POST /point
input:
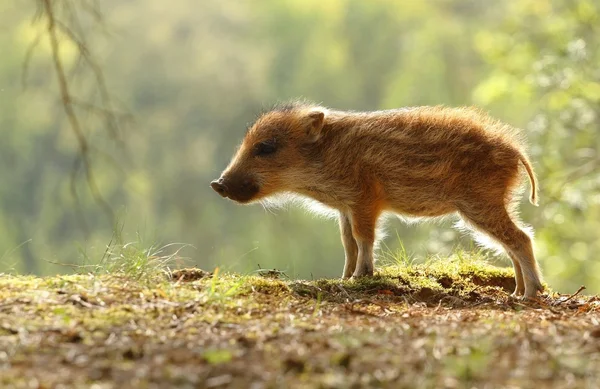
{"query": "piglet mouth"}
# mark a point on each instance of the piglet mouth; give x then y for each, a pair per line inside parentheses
(239, 190)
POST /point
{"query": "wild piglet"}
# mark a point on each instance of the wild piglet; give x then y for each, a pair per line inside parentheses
(415, 162)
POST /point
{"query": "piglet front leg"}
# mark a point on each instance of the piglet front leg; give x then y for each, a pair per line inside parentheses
(363, 230)
(350, 246)
(364, 264)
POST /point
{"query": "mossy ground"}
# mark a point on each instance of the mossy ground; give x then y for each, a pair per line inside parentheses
(446, 323)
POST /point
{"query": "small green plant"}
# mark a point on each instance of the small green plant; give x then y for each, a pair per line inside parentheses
(221, 288)
(136, 259)
(399, 257)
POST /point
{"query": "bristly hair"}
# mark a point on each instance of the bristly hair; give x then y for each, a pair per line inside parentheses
(283, 107)
(292, 105)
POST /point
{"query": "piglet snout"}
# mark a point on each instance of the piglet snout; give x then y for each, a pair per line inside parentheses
(219, 187)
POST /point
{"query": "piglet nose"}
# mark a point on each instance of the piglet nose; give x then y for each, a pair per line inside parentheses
(219, 187)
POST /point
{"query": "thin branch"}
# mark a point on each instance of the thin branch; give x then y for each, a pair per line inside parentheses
(93, 9)
(74, 20)
(78, 63)
(581, 288)
(70, 112)
(101, 110)
(111, 121)
(39, 11)
(27, 60)
(73, 17)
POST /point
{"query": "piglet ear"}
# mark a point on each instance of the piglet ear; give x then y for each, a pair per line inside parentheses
(315, 122)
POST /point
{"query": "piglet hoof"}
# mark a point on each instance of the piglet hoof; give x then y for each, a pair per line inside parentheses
(361, 274)
(517, 294)
(531, 293)
(531, 298)
(521, 296)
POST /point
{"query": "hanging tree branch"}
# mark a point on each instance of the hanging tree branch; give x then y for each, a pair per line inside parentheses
(71, 30)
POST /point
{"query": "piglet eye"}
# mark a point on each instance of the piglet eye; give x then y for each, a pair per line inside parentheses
(265, 148)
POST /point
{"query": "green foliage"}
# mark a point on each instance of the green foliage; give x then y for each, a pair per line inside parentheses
(194, 75)
(460, 275)
(545, 55)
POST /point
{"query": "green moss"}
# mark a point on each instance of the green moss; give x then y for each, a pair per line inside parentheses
(460, 275)
(87, 305)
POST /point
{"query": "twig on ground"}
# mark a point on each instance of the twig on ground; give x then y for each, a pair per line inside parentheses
(340, 287)
(581, 288)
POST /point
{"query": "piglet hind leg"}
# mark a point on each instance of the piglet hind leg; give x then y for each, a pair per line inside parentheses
(350, 246)
(522, 249)
(497, 223)
(520, 288)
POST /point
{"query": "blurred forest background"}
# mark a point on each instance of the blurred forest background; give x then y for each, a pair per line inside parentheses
(183, 80)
